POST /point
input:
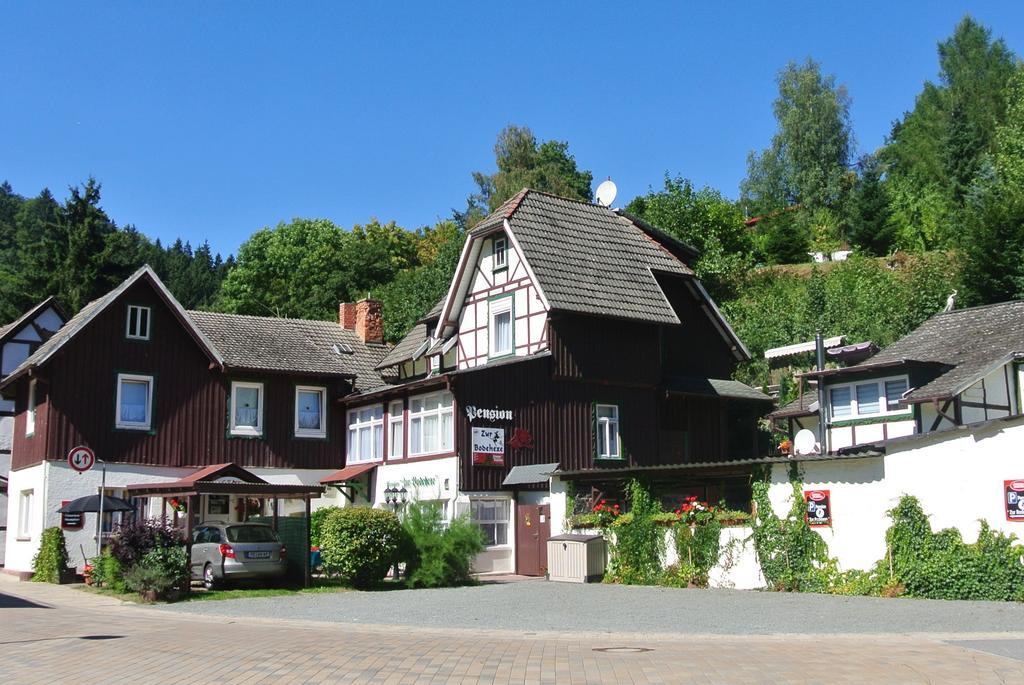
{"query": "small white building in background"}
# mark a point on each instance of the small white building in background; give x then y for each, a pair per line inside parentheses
(936, 415)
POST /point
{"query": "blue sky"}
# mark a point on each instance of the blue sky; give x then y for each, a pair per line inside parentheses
(212, 120)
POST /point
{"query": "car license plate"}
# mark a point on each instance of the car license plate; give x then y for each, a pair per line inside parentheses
(257, 555)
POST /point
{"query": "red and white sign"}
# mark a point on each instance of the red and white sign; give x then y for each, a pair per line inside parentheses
(1013, 499)
(81, 458)
(488, 446)
(819, 508)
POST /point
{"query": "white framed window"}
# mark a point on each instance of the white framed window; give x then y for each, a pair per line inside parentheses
(501, 338)
(310, 411)
(246, 409)
(431, 424)
(500, 253)
(867, 398)
(138, 322)
(396, 430)
(366, 433)
(609, 445)
(134, 402)
(492, 515)
(25, 502)
(30, 415)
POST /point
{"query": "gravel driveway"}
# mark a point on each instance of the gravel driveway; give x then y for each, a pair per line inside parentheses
(538, 605)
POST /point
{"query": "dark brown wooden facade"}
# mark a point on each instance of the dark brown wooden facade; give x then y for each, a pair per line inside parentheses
(76, 397)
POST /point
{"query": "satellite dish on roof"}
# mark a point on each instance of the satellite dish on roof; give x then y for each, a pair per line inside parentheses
(805, 442)
(606, 192)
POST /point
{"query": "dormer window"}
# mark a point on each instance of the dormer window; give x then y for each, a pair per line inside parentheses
(137, 327)
(500, 253)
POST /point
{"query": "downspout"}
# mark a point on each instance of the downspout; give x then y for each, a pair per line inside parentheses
(819, 349)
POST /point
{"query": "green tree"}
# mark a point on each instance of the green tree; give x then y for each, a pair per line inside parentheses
(705, 220)
(808, 158)
(936, 151)
(869, 214)
(296, 269)
(524, 163)
(412, 292)
(373, 254)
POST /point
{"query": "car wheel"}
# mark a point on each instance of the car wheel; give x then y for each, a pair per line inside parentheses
(209, 580)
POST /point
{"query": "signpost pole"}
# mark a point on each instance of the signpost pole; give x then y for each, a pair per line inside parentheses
(99, 514)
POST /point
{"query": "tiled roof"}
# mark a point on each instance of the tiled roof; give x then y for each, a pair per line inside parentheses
(588, 259)
(970, 341)
(406, 348)
(290, 345)
(801, 406)
(714, 387)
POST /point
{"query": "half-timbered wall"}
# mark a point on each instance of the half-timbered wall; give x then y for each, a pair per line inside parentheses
(76, 398)
(16, 350)
(487, 284)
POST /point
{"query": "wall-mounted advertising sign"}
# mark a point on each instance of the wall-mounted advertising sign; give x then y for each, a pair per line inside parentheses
(488, 446)
(473, 413)
(1013, 499)
(73, 520)
(819, 508)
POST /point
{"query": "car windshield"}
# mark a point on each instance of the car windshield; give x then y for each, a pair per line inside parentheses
(251, 534)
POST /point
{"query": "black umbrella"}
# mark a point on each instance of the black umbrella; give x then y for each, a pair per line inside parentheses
(92, 503)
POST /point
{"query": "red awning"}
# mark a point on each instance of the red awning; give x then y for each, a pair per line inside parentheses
(347, 473)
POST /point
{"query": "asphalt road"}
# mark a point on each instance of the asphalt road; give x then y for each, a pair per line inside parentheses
(538, 605)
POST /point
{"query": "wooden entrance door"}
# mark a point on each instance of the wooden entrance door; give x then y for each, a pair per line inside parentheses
(533, 528)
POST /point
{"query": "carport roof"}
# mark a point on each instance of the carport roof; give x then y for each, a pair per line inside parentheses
(222, 479)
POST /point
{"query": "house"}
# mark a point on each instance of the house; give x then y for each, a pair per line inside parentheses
(936, 415)
(957, 368)
(18, 340)
(160, 394)
(574, 349)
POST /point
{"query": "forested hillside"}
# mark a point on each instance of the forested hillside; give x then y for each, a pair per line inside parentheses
(937, 206)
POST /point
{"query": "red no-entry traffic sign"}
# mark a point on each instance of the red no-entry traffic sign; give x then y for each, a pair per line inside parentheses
(81, 458)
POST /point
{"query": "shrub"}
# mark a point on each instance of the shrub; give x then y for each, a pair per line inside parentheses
(698, 547)
(639, 543)
(316, 522)
(132, 540)
(107, 572)
(52, 557)
(679, 575)
(942, 566)
(160, 570)
(439, 556)
(360, 544)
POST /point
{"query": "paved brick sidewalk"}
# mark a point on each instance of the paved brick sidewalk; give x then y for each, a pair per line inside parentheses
(51, 636)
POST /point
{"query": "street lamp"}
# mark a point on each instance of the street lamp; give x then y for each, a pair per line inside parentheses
(390, 496)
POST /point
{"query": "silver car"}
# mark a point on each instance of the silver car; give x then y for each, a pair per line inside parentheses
(235, 551)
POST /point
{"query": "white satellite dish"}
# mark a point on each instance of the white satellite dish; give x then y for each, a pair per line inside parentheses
(805, 442)
(606, 192)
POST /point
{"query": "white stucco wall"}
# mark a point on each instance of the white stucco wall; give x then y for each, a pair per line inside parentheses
(957, 476)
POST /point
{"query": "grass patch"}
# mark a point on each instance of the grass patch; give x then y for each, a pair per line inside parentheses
(320, 586)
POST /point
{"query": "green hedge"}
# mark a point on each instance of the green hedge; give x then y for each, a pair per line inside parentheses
(360, 544)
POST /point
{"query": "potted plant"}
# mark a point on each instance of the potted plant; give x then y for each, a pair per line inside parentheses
(50, 565)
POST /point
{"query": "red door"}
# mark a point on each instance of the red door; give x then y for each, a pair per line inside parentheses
(533, 528)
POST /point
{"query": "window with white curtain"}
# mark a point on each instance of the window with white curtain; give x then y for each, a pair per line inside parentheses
(366, 433)
(134, 402)
(247, 409)
(500, 334)
(609, 446)
(396, 432)
(492, 516)
(309, 412)
(431, 424)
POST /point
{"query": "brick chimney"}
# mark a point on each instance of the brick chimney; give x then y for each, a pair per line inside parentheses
(347, 315)
(369, 321)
